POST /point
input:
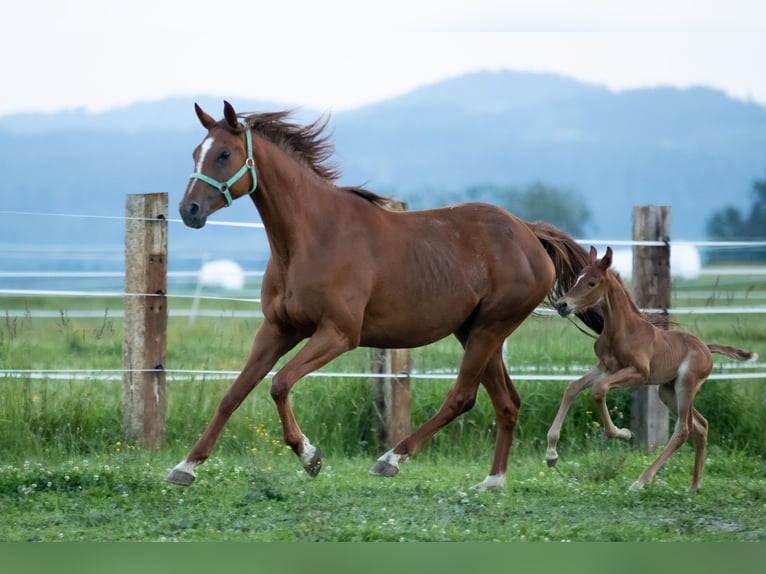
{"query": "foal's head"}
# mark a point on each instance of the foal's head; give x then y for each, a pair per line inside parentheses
(590, 286)
(224, 168)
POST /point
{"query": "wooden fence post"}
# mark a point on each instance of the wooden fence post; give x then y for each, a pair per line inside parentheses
(391, 395)
(146, 317)
(651, 287)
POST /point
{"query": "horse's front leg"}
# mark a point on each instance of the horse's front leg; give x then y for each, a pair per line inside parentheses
(328, 342)
(572, 390)
(269, 345)
(624, 378)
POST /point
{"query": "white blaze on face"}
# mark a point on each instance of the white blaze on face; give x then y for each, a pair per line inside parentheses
(204, 148)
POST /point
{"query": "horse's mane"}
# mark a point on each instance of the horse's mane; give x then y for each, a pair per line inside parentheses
(658, 320)
(310, 143)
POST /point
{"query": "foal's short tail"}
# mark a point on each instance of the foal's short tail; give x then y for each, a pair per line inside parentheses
(569, 258)
(733, 353)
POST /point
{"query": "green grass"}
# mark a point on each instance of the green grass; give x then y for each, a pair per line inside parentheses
(83, 416)
(121, 496)
(70, 473)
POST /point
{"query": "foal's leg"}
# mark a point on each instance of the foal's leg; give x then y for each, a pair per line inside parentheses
(684, 391)
(699, 436)
(572, 390)
(461, 398)
(506, 402)
(269, 345)
(699, 426)
(328, 342)
(624, 378)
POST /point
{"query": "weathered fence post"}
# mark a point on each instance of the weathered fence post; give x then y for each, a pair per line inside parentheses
(651, 288)
(391, 395)
(146, 317)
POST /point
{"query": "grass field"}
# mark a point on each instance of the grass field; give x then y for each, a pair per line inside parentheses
(69, 473)
(251, 498)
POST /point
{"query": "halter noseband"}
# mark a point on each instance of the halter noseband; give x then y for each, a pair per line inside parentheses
(224, 187)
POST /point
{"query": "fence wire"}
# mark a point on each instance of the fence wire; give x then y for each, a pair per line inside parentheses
(176, 374)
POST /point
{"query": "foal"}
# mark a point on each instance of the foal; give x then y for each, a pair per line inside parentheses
(633, 352)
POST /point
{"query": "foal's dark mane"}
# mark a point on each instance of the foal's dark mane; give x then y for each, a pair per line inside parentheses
(310, 143)
(658, 320)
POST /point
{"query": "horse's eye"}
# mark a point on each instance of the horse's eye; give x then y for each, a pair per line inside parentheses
(591, 283)
(224, 155)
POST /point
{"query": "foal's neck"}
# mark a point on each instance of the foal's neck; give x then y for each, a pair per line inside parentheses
(619, 308)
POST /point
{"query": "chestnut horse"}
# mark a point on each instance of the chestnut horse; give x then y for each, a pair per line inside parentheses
(632, 351)
(345, 272)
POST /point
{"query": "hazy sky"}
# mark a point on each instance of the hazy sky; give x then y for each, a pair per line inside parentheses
(336, 54)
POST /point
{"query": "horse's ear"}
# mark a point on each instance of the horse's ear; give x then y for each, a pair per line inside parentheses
(205, 119)
(230, 115)
(606, 260)
(593, 255)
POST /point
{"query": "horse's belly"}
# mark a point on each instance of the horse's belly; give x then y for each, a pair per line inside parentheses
(415, 325)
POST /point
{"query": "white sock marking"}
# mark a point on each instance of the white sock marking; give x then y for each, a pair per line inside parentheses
(392, 458)
(186, 467)
(308, 451)
(492, 481)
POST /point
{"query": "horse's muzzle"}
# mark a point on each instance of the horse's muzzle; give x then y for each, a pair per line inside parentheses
(192, 214)
(564, 309)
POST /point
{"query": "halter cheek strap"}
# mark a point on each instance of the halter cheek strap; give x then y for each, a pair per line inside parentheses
(225, 186)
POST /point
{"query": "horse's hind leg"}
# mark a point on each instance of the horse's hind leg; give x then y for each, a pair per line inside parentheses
(698, 425)
(479, 348)
(268, 347)
(681, 394)
(506, 402)
(699, 436)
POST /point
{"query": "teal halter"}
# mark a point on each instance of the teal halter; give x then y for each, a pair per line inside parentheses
(224, 187)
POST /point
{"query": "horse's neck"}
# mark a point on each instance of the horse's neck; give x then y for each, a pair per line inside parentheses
(620, 311)
(287, 199)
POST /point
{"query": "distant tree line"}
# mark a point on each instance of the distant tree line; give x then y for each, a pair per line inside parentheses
(564, 208)
(732, 224)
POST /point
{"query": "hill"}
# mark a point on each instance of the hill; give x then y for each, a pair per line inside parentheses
(694, 149)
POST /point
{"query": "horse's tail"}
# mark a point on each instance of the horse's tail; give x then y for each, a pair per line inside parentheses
(733, 353)
(569, 258)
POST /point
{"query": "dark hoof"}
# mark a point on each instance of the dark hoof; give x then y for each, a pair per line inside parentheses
(313, 466)
(383, 468)
(180, 477)
(552, 462)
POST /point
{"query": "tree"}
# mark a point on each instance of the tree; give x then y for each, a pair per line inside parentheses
(729, 224)
(566, 209)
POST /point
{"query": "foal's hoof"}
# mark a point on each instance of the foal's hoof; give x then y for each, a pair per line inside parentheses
(625, 434)
(552, 462)
(383, 468)
(180, 477)
(314, 465)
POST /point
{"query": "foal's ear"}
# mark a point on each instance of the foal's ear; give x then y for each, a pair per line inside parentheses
(606, 260)
(230, 115)
(205, 119)
(593, 254)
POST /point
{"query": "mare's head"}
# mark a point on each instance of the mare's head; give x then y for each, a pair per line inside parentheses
(224, 168)
(590, 286)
